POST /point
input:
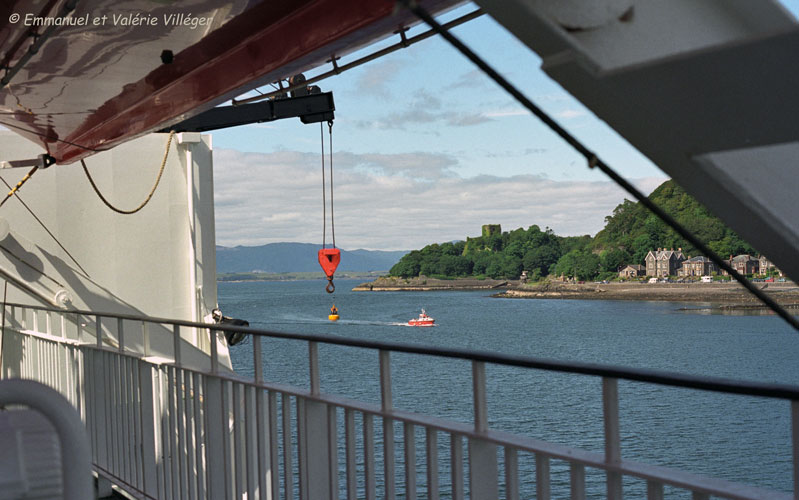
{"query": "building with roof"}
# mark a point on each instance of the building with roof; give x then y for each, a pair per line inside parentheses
(662, 263)
(632, 271)
(698, 266)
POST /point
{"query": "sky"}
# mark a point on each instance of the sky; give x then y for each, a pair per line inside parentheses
(426, 149)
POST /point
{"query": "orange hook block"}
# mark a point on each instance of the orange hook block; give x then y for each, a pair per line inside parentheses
(329, 259)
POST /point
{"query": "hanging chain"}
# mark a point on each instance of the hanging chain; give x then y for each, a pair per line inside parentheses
(152, 191)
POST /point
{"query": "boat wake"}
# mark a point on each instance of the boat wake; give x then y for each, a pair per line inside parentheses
(317, 321)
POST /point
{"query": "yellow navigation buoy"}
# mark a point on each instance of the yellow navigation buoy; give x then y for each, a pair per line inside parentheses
(333, 316)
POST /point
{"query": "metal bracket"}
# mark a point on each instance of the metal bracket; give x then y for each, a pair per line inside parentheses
(42, 161)
(311, 108)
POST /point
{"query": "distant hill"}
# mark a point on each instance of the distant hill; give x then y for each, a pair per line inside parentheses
(298, 257)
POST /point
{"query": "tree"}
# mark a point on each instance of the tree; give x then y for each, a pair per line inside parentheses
(408, 266)
(611, 260)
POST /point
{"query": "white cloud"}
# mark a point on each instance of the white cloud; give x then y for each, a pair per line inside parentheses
(570, 113)
(375, 78)
(402, 201)
(424, 108)
(501, 113)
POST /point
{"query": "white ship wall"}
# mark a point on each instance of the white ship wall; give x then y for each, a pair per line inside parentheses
(159, 262)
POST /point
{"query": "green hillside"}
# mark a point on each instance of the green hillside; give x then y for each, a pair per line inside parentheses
(634, 230)
(629, 233)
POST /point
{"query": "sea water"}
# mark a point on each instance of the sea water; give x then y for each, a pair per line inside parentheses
(731, 437)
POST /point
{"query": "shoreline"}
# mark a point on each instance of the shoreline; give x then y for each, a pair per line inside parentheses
(425, 284)
(730, 295)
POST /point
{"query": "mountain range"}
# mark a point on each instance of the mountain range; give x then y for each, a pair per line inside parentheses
(298, 257)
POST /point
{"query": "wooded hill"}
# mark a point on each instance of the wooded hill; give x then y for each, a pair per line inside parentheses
(629, 233)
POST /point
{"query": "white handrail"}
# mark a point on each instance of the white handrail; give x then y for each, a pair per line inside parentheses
(158, 428)
(75, 455)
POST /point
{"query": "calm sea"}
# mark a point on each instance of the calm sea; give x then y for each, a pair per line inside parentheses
(741, 439)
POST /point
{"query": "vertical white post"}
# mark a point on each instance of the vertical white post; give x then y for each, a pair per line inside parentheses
(511, 474)
(257, 359)
(190, 396)
(216, 427)
(98, 332)
(332, 450)
(98, 406)
(121, 334)
(577, 479)
(479, 396)
(288, 481)
(432, 463)
(410, 461)
(456, 454)
(199, 432)
(349, 453)
(148, 418)
(542, 477)
(212, 334)
(388, 424)
(186, 140)
(176, 343)
(273, 469)
(610, 407)
(313, 367)
(369, 456)
(252, 426)
(654, 490)
(184, 436)
(795, 440)
(483, 481)
(239, 467)
(314, 450)
(145, 338)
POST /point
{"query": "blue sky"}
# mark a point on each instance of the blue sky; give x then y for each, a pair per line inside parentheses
(426, 149)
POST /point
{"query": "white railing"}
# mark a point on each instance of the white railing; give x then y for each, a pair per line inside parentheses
(160, 429)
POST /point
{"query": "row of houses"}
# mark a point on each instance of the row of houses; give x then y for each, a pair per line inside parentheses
(662, 262)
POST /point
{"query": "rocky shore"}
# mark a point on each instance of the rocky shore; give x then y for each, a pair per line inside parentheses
(724, 293)
(729, 294)
(425, 284)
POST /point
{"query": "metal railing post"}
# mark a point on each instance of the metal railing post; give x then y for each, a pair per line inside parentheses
(148, 426)
(483, 480)
(121, 334)
(98, 332)
(216, 426)
(795, 441)
(313, 367)
(176, 343)
(388, 424)
(610, 407)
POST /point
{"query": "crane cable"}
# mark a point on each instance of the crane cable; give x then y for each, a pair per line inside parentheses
(329, 258)
(152, 191)
(324, 200)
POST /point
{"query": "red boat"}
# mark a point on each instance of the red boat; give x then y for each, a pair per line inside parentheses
(422, 320)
